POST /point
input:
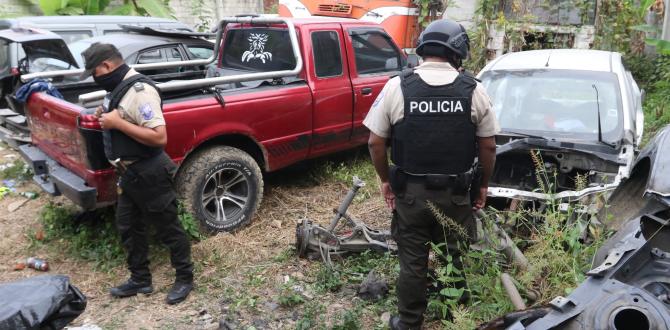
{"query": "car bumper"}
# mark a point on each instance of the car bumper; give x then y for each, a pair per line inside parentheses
(57, 180)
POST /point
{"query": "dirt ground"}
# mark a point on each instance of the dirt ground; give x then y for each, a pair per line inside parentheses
(238, 276)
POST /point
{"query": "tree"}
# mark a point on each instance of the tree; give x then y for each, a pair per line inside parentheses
(156, 8)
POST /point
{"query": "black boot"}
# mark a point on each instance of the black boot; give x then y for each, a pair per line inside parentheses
(396, 324)
(131, 288)
(179, 292)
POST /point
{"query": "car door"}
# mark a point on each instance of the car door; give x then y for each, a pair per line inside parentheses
(331, 88)
(373, 59)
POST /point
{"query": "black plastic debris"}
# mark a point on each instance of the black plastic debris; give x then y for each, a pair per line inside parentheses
(373, 288)
(40, 302)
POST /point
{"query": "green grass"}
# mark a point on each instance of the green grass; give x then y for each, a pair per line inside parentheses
(91, 238)
(18, 170)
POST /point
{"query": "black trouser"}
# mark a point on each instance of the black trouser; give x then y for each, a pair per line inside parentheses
(148, 199)
(413, 227)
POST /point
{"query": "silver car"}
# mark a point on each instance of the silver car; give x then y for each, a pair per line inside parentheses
(571, 124)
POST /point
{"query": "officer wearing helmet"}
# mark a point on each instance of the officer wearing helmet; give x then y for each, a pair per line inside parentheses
(438, 120)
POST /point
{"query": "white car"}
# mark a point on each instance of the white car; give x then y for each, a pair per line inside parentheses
(581, 109)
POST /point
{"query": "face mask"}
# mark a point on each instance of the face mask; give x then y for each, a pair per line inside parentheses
(110, 80)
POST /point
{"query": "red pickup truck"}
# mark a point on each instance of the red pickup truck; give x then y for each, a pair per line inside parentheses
(225, 135)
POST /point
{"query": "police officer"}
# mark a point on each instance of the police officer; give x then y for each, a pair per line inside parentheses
(134, 136)
(437, 117)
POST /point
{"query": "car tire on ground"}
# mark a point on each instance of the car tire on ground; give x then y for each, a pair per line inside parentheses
(222, 187)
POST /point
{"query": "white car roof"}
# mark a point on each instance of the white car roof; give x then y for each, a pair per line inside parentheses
(561, 59)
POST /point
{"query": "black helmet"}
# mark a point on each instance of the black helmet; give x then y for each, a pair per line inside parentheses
(446, 33)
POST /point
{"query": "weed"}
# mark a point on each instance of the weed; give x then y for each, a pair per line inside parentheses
(349, 320)
(328, 279)
(91, 236)
(18, 170)
(312, 318)
(289, 295)
(285, 255)
(189, 223)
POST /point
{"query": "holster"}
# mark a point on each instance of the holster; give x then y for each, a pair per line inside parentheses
(476, 182)
(397, 179)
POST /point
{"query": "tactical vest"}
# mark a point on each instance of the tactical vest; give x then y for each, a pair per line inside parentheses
(118, 144)
(436, 135)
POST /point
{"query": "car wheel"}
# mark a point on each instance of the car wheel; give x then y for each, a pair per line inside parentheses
(222, 187)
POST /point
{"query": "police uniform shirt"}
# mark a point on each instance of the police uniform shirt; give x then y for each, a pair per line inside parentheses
(141, 105)
(389, 107)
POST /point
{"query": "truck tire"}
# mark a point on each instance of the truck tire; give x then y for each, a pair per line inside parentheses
(222, 187)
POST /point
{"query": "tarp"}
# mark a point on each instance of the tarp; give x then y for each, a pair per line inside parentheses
(40, 302)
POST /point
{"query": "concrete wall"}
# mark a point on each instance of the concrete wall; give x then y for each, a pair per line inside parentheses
(190, 13)
(14, 8)
(462, 12)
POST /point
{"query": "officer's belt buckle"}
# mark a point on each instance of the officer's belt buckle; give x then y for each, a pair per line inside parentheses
(440, 181)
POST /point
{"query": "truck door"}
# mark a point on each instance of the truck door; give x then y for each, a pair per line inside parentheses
(375, 58)
(331, 88)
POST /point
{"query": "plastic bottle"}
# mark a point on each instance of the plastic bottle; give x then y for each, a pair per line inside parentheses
(37, 264)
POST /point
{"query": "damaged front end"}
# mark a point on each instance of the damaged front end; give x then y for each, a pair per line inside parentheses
(536, 169)
(630, 289)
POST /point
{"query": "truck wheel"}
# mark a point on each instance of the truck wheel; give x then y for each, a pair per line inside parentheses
(222, 187)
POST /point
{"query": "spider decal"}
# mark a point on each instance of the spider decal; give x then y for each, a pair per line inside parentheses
(256, 48)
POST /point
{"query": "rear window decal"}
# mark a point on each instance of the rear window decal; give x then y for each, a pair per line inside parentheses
(257, 48)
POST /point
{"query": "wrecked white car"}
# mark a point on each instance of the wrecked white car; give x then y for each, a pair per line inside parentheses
(580, 109)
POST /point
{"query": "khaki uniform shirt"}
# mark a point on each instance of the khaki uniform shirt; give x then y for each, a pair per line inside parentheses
(389, 107)
(141, 105)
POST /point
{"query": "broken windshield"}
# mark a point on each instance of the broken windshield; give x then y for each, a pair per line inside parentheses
(556, 103)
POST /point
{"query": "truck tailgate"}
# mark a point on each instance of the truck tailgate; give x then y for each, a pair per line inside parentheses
(54, 130)
(68, 157)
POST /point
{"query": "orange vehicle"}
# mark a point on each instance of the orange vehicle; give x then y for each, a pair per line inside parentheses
(398, 17)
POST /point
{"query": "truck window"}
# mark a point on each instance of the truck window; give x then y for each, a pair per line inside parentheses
(327, 55)
(375, 53)
(257, 49)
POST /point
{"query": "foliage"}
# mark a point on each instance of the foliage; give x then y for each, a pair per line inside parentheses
(189, 223)
(156, 8)
(204, 15)
(289, 296)
(349, 320)
(91, 236)
(18, 170)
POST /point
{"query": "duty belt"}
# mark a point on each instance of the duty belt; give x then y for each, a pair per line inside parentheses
(459, 181)
(122, 165)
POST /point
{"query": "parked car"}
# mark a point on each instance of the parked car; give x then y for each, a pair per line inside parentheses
(73, 28)
(138, 46)
(311, 101)
(581, 109)
(26, 50)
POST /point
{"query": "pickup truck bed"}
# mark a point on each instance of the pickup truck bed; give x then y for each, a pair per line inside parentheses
(224, 138)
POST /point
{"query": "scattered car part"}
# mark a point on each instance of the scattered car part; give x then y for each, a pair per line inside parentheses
(512, 292)
(630, 289)
(648, 188)
(40, 302)
(312, 239)
(499, 240)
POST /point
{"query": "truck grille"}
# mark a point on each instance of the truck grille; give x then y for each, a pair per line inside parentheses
(340, 9)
